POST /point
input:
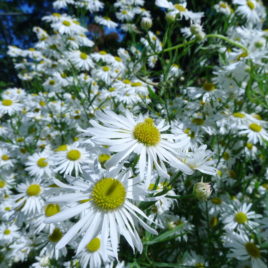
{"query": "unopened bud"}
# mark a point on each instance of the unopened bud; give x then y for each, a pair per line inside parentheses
(146, 23)
(202, 190)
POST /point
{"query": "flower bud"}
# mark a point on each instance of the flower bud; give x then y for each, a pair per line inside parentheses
(146, 23)
(202, 190)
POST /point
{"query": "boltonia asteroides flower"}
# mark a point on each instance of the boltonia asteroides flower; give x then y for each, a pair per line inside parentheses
(105, 209)
(125, 135)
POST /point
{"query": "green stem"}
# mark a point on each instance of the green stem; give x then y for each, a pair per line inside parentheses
(227, 40)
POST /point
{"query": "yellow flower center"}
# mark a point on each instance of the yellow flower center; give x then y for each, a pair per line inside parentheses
(7, 102)
(223, 5)
(249, 146)
(33, 190)
(5, 157)
(7, 232)
(214, 222)
(61, 148)
(209, 87)
(52, 82)
(242, 55)
(83, 56)
(238, 115)
(93, 245)
(52, 209)
(7, 208)
(136, 84)
(198, 121)
(216, 201)
(108, 194)
(73, 155)
(42, 162)
(257, 116)
(255, 127)
(66, 23)
(251, 5)
(240, 217)
(105, 68)
(118, 59)
(103, 158)
(147, 133)
(226, 156)
(180, 7)
(199, 265)
(103, 52)
(252, 250)
(55, 236)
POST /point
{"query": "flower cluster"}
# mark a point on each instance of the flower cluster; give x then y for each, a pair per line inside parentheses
(132, 152)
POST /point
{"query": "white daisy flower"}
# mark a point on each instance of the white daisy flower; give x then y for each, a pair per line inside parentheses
(81, 60)
(240, 217)
(95, 253)
(125, 135)
(105, 209)
(8, 232)
(248, 9)
(30, 200)
(9, 106)
(200, 159)
(39, 164)
(243, 248)
(70, 160)
(255, 133)
(105, 21)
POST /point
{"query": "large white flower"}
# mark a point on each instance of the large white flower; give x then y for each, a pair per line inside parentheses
(103, 203)
(125, 135)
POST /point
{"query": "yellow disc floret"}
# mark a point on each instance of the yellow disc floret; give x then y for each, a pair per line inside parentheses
(5, 157)
(93, 245)
(251, 5)
(103, 158)
(239, 115)
(42, 163)
(33, 190)
(255, 127)
(66, 23)
(7, 232)
(7, 102)
(2, 184)
(209, 87)
(52, 209)
(147, 133)
(108, 194)
(73, 155)
(180, 7)
(83, 56)
(55, 236)
(252, 250)
(241, 217)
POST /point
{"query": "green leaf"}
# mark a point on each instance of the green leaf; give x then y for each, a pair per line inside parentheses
(168, 235)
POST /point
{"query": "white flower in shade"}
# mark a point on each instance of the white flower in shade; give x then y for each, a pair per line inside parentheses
(244, 249)
(240, 217)
(47, 242)
(248, 9)
(9, 106)
(200, 159)
(8, 232)
(48, 211)
(6, 161)
(125, 135)
(105, 21)
(81, 60)
(30, 200)
(105, 209)
(95, 253)
(69, 159)
(39, 164)
(255, 133)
